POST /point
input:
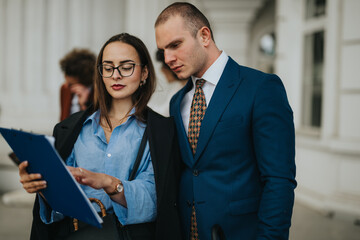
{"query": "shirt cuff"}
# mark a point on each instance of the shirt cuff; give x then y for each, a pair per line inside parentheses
(141, 205)
(47, 215)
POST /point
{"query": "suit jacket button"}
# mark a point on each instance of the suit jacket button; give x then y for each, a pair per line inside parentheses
(196, 173)
(188, 203)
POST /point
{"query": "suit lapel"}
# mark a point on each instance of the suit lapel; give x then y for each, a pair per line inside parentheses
(224, 91)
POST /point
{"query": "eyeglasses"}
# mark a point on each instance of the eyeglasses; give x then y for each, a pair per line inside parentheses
(125, 70)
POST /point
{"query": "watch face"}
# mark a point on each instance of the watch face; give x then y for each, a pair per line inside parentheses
(119, 187)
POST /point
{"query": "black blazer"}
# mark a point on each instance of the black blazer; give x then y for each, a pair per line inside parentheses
(165, 156)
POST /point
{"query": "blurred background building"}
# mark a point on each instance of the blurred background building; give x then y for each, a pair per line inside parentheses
(313, 45)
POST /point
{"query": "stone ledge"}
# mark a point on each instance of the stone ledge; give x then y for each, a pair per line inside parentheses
(18, 198)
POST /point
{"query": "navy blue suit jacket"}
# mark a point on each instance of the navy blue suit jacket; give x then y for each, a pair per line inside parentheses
(242, 176)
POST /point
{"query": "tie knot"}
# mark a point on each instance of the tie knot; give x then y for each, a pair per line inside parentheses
(200, 83)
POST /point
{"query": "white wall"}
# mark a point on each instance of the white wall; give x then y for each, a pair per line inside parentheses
(328, 161)
(34, 36)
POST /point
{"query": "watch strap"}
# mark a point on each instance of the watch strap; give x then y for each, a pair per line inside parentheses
(116, 189)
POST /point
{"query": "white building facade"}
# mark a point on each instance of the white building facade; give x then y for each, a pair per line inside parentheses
(313, 45)
(318, 56)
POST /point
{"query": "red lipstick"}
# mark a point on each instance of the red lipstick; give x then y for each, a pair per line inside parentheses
(117, 87)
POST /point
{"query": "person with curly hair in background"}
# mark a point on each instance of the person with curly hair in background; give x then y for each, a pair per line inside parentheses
(76, 93)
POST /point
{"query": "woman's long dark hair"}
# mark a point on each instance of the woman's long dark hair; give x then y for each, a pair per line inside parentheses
(141, 97)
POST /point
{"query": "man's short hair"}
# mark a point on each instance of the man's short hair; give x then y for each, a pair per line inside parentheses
(193, 17)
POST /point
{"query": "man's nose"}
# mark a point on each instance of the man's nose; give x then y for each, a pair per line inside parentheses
(169, 57)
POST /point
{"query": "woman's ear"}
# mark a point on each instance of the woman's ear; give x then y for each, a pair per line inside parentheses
(144, 73)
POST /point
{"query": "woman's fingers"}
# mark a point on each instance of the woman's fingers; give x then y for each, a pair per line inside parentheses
(87, 177)
(24, 175)
(25, 178)
(31, 182)
(77, 172)
(30, 177)
(35, 186)
(22, 167)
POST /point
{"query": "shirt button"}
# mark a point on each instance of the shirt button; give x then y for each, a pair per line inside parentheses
(109, 154)
(196, 173)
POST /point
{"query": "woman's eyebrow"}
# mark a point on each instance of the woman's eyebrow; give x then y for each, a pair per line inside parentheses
(124, 61)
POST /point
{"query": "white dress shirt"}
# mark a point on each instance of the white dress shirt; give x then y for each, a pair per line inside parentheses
(211, 77)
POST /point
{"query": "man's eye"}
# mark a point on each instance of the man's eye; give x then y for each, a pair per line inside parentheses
(175, 45)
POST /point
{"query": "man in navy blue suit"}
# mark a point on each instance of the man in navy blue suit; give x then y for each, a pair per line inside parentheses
(240, 176)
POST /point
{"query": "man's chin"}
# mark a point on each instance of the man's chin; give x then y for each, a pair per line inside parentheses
(182, 76)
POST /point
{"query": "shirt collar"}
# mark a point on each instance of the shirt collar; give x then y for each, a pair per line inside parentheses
(213, 74)
(95, 119)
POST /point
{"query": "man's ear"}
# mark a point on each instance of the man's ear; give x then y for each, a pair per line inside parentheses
(205, 36)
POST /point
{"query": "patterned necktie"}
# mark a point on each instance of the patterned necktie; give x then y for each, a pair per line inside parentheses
(197, 112)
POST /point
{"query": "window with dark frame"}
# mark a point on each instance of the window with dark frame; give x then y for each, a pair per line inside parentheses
(315, 8)
(313, 79)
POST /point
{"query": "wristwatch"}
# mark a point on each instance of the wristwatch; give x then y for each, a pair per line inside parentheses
(118, 189)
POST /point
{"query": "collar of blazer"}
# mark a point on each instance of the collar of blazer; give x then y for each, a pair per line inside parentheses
(67, 131)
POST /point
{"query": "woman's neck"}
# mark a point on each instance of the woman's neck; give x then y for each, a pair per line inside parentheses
(120, 109)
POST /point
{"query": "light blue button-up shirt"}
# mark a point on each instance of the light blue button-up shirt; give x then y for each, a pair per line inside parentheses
(116, 158)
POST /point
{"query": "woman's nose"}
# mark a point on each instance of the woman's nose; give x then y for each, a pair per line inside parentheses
(117, 74)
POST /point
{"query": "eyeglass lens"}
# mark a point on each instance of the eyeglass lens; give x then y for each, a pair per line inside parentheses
(125, 70)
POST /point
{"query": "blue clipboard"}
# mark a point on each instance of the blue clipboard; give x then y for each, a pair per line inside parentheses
(63, 193)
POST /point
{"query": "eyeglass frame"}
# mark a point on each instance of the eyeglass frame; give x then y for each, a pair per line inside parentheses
(100, 66)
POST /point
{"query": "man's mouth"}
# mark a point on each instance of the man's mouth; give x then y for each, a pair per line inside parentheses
(176, 69)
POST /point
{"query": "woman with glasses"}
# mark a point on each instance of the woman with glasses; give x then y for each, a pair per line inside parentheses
(100, 146)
